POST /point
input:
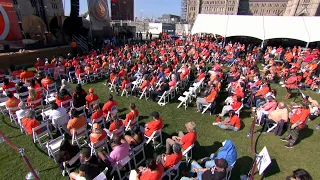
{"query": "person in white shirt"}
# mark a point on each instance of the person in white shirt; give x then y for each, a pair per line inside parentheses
(59, 116)
(23, 109)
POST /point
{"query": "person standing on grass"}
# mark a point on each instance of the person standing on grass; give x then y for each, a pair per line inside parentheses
(89, 167)
(185, 140)
(297, 123)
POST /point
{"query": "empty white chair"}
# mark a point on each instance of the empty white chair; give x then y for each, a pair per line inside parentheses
(169, 172)
(184, 100)
(53, 147)
(112, 85)
(79, 134)
(45, 131)
(12, 114)
(164, 99)
(186, 153)
(81, 78)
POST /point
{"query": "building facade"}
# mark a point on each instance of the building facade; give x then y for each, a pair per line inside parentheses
(252, 7)
(169, 18)
(122, 10)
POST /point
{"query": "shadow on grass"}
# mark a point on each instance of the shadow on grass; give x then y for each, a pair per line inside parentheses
(8, 123)
(40, 149)
(122, 110)
(272, 169)
(242, 166)
(304, 134)
(143, 117)
(205, 151)
(48, 169)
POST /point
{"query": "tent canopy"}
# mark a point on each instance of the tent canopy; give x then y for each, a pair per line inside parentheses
(262, 27)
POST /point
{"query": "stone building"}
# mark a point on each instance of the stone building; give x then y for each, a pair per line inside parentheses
(219, 7)
(302, 8)
(193, 9)
(262, 7)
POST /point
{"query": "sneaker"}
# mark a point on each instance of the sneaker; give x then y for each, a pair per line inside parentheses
(284, 139)
(289, 146)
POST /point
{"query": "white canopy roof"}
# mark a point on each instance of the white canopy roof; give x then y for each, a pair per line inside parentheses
(262, 27)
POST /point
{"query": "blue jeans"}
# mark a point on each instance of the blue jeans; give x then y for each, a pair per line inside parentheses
(223, 126)
(210, 163)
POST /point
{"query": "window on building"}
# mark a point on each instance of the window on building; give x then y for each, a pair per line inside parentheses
(15, 1)
(269, 5)
(263, 5)
(255, 11)
(33, 3)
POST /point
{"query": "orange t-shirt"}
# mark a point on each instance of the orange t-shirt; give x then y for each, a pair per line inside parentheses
(113, 126)
(131, 116)
(12, 102)
(188, 139)
(96, 115)
(236, 105)
(235, 121)
(66, 98)
(153, 126)
(100, 137)
(211, 96)
(26, 74)
(172, 160)
(108, 105)
(91, 98)
(29, 124)
(152, 175)
(145, 84)
(45, 82)
(76, 123)
(300, 115)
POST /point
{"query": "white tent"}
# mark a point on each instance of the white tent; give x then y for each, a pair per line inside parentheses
(261, 27)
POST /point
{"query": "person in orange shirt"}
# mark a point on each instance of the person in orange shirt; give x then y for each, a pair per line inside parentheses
(8, 85)
(26, 74)
(153, 171)
(46, 81)
(201, 75)
(297, 123)
(76, 122)
(144, 85)
(39, 65)
(109, 105)
(97, 112)
(12, 101)
(125, 82)
(207, 100)
(234, 106)
(170, 160)
(91, 97)
(97, 134)
(62, 97)
(154, 125)
(132, 115)
(115, 125)
(29, 122)
(232, 123)
(291, 83)
(33, 96)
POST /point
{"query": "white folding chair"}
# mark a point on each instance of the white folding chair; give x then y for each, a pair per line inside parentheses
(98, 146)
(184, 100)
(82, 78)
(172, 91)
(81, 109)
(164, 99)
(12, 114)
(153, 137)
(102, 175)
(209, 106)
(112, 85)
(114, 111)
(229, 171)
(66, 104)
(126, 89)
(98, 73)
(169, 172)
(36, 106)
(23, 96)
(60, 126)
(145, 93)
(238, 111)
(136, 151)
(119, 165)
(51, 89)
(71, 75)
(45, 131)
(70, 163)
(100, 121)
(118, 132)
(53, 147)
(90, 106)
(131, 124)
(79, 134)
(186, 153)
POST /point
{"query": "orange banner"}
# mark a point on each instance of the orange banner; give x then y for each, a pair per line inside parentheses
(9, 26)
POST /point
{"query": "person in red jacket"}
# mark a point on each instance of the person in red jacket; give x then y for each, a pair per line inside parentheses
(297, 122)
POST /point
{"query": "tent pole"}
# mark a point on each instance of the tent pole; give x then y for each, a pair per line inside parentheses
(262, 44)
(307, 45)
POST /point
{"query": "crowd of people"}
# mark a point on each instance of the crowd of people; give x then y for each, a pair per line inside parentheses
(153, 69)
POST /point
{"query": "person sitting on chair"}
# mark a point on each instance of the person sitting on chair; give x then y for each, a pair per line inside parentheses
(218, 172)
(132, 115)
(89, 167)
(208, 99)
(170, 160)
(164, 86)
(46, 81)
(185, 140)
(97, 134)
(59, 116)
(143, 86)
(154, 125)
(235, 105)
(66, 152)
(136, 138)
(76, 122)
(107, 107)
(233, 122)
(281, 113)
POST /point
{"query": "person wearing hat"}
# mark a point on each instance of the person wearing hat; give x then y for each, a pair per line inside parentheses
(185, 140)
(266, 108)
(170, 160)
(218, 172)
(233, 122)
(91, 97)
(154, 125)
(97, 134)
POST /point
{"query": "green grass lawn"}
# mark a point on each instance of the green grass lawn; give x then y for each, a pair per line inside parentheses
(305, 154)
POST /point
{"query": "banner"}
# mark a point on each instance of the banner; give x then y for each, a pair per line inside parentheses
(155, 28)
(9, 27)
(99, 18)
(122, 10)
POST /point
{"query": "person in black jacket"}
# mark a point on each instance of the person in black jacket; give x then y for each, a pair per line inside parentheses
(66, 153)
(163, 87)
(79, 97)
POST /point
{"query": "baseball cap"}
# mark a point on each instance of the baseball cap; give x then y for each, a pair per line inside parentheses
(155, 114)
(221, 163)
